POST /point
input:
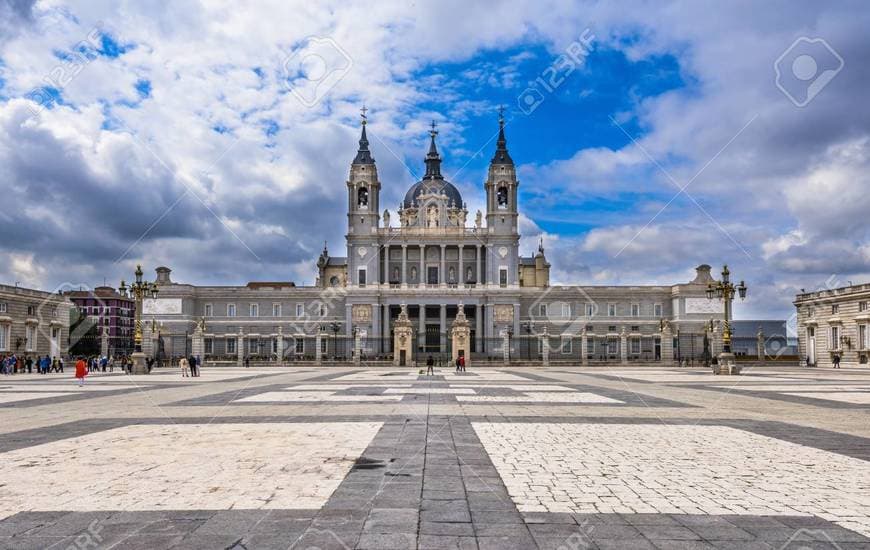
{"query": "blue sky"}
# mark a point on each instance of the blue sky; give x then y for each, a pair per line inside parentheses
(670, 144)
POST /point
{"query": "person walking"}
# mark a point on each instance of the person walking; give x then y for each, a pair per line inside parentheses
(194, 367)
(185, 373)
(60, 365)
(430, 365)
(81, 371)
(836, 360)
(247, 362)
(462, 363)
(46, 364)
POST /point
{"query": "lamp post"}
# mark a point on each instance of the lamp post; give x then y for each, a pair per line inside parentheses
(528, 327)
(725, 291)
(510, 335)
(138, 291)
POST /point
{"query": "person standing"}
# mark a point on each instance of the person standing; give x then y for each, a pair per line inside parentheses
(81, 371)
(184, 370)
(836, 360)
(28, 364)
(194, 370)
(430, 365)
(462, 363)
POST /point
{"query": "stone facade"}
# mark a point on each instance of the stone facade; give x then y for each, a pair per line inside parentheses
(435, 259)
(33, 322)
(834, 322)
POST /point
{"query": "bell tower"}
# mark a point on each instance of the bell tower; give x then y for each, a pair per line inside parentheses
(501, 188)
(363, 189)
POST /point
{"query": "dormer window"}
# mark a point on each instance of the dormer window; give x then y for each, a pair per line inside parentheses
(362, 198)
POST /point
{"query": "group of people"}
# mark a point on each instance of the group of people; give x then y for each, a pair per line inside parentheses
(190, 366)
(12, 364)
(430, 364)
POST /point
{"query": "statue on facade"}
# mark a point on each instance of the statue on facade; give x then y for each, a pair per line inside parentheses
(478, 219)
(386, 218)
(432, 216)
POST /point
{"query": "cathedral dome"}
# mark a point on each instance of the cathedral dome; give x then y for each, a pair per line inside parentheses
(438, 186)
(433, 183)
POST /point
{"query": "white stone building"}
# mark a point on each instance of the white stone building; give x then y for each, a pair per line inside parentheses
(433, 256)
(834, 322)
(33, 322)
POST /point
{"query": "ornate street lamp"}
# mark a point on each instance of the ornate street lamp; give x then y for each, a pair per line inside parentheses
(725, 291)
(138, 291)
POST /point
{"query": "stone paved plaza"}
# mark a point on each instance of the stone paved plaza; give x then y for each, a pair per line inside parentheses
(497, 458)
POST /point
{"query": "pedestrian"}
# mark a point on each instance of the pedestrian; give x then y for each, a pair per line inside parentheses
(457, 364)
(4, 364)
(836, 360)
(28, 364)
(184, 370)
(194, 367)
(430, 365)
(60, 364)
(462, 363)
(112, 364)
(247, 362)
(54, 365)
(13, 364)
(81, 371)
(45, 364)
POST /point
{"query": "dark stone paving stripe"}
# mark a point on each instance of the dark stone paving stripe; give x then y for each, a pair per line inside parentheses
(781, 396)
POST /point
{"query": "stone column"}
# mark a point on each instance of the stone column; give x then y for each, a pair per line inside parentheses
(505, 347)
(386, 264)
(318, 339)
(240, 348)
(147, 340)
(386, 321)
(421, 276)
(104, 343)
(716, 344)
(280, 339)
(461, 279)
(545, 347)
(357, 348)
(421, 336)
(478, 328)
(442, 279)
(443, 327)
(667, 345)
(584, 346)
(477, 276)
(404, 280)
(623, 347)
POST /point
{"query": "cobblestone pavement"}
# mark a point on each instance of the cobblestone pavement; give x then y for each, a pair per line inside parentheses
(336, 458)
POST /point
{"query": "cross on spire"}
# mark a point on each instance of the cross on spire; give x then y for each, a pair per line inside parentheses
(433, 132)
(501, 114)
(363, 112)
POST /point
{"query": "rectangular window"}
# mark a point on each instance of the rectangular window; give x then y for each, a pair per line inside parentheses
(31, 310)
(635, 346)
(611, 310)
(300, 345)
(2, 307)
(612, 346)
(590, 310)
(276, 310)
(361, 277)
(300, 310)
(542, 310)
(231, 345)
(566, 311)
(835, 338)
(862, 306)
(323, 343)
(565, 344)
(207, 310)
(811, 312)
(231, 310)
(29, 338)
(835, 309)
(657, 310)
(502, 277)
(862, 337)
(209, 346)
(635, 310)
(254, 310)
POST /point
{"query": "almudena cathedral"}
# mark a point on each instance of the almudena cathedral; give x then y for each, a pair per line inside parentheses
(434, 283)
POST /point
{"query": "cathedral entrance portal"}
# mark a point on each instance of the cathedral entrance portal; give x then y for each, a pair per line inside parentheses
(433, 339)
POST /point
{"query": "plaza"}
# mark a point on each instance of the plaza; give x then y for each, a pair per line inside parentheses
(388, 458)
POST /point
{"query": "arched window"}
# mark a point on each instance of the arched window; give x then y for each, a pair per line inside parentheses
(362, 197)
(333, 281)
(502, 196)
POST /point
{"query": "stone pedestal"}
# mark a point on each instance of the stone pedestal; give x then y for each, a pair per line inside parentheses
(140, 366)
(759, 344)
(727, 365)
(623, 347)
(545, 347)
(460, 334)
(104, 344)
(667, 345)
(403, 339)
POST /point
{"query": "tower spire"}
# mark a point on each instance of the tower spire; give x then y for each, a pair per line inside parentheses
(433, 159)
(501, 153)
(363, 155)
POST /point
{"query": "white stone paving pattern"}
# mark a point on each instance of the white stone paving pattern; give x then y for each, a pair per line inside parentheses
(856, 398)
(289, 397)
(14, 397)
(431, 391)
(515, 387)
(539, 397)
(654, 468)
(186, 467)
